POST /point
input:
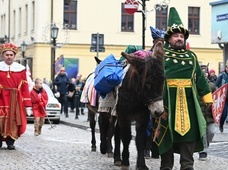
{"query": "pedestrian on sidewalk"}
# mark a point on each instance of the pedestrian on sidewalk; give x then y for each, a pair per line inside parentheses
(71, 94)
(62, 81)
(79, 85)
(39, 100)
(221, 80)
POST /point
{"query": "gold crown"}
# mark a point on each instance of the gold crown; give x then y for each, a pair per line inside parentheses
(8, 47)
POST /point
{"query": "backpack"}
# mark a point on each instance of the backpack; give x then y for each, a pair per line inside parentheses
(108, 74)
(224, 78)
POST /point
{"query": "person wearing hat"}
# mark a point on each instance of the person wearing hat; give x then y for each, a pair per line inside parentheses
(182, 126)
(221, 80)
(157, 35)
(212, 76)
(14, 97)
(62, 81)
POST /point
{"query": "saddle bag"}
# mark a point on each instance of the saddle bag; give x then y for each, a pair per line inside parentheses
(108, 74)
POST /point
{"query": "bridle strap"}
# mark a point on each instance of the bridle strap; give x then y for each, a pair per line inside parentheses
(155, 99)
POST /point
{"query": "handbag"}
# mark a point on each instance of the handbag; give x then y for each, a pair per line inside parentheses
(57, 94)
(70, 94)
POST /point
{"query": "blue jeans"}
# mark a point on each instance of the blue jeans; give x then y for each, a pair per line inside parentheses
(224, 114)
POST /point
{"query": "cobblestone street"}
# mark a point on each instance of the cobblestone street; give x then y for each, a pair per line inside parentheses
(68, 148)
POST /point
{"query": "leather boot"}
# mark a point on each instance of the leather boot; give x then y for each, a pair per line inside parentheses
(41, 125)
(36, 133)
(39, 130)
(10, 142)
(36, 126)
(0, 141)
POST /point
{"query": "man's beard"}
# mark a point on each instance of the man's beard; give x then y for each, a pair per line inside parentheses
(178, 45)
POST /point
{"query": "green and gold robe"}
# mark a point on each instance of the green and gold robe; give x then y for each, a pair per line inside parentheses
(183, 120)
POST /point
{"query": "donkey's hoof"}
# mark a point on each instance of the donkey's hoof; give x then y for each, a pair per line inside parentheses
(93, 148)
(144, 167)
(117, 162)
(110, 155)
(124, 167)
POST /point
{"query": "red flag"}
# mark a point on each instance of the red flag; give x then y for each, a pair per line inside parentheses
(28, 71)
(219, 98)
(187, 45)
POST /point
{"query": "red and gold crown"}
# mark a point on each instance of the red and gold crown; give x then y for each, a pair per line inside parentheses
(8, 47)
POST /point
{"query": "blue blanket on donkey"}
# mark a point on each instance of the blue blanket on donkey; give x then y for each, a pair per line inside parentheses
(108, 74)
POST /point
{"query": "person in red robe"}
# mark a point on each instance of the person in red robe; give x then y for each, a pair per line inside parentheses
(39, 100)
(14, 97)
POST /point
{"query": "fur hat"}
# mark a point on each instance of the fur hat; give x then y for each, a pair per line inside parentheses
(8, 47)
(175, 25)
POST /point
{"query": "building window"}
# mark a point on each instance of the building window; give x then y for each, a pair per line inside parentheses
(26, 18)
(70, 14)
(193, 20)
(19, 26)
(33, 16)
(161, 18)
(127, 21)
(14, 24)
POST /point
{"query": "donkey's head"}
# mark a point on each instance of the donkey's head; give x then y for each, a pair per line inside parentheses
(146, 77)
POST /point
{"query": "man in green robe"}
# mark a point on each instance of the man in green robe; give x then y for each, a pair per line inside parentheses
(181, 128)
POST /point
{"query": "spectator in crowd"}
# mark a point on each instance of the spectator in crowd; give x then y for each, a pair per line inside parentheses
(39, 100)
(62, 81)
(212, 76)
(79, 87)
(71, 94)
(46, 82)
(14, 97)
(210, 130)
(221, 80)
(181, 127)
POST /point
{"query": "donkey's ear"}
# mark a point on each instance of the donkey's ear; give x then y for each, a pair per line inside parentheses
(158, 50)
(97, 60)
(128, 57)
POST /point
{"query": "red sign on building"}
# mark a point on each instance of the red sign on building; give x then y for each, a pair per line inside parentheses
(131, 6)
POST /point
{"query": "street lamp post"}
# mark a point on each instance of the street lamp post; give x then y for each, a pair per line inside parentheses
(54, 35)
(163, 4)
(23, 48)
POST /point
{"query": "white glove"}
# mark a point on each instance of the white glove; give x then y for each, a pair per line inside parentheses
(29, 111)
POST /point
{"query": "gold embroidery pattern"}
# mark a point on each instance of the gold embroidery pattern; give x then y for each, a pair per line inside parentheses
(182, 120)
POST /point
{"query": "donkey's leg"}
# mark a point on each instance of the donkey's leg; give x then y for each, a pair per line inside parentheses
(142, 121)
(110, 134)
(92, 123)
(103, 125)
(125, 131)
(117, 139)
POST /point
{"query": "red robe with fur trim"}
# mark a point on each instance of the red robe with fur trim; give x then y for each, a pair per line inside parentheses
(39, 100)
(14, 97)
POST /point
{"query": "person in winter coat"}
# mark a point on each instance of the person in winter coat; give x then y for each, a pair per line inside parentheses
(39, 100)
(221, 80)
(62, 81)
